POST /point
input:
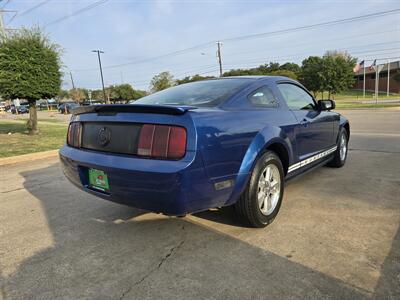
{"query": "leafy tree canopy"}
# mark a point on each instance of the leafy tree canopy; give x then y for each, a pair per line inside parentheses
(333, 72)
(29, 66)
(62, 94)
(29, 69)
(162, 81)
(291, 70)
(196, 77)
(121, 93)
(78, 94)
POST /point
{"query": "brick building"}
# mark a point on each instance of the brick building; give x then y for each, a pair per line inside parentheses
(394, 83)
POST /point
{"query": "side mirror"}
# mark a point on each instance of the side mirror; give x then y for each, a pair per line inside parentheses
(326, 104)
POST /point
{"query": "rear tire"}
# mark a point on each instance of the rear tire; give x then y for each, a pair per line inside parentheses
(340, 155)
(260, 202)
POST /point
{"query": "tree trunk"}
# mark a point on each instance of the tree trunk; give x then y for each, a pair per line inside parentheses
(32, 122)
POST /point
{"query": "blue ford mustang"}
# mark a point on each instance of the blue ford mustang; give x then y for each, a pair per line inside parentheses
(230, 141)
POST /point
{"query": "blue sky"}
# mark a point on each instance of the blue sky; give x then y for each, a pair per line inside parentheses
(134, 31)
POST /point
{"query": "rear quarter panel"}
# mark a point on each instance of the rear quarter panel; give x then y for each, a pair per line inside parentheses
(231, 141)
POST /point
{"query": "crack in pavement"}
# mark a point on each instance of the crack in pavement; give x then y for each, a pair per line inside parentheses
(170, 252)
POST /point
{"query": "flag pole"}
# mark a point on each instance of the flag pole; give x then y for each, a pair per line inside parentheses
(364, 82)
(388, 79)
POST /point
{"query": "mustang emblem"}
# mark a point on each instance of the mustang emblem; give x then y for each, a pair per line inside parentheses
(104, 136)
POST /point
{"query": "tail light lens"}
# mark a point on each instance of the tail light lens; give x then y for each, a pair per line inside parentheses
(74, 135)
(162, 141)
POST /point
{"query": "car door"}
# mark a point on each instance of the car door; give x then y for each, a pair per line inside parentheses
(314, 131)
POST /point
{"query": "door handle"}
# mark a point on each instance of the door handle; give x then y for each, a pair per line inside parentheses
(305, 122)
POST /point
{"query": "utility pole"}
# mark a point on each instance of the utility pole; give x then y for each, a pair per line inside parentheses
(101, 74)
(72, 80)
(219, 58)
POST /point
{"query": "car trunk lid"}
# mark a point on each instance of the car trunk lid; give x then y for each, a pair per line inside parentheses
(121, 129)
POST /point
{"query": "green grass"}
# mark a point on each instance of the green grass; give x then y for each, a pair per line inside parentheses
(358, 95)
(352, 99)
(352, 105)
(19, 142)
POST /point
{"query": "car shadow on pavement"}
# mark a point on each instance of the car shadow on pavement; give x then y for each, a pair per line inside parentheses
(107, 251)
(223, 215)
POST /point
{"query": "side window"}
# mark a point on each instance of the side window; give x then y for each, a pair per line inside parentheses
(263, 97)
(295, 97)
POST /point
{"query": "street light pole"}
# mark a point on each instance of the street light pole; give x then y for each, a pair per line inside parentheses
(101, 74)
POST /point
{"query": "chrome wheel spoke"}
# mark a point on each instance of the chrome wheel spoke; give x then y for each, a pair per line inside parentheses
(268, 174)
(267, 202)
(261, 197)
(269, 186)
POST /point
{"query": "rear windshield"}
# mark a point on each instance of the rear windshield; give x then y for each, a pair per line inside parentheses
(199, 93)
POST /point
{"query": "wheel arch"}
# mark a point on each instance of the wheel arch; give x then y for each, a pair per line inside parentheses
(271, 138)
(344, 123)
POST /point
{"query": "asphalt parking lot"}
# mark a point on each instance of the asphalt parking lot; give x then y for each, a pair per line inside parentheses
(337, 236)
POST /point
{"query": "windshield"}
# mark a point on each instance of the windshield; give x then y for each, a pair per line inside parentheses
(199, 93)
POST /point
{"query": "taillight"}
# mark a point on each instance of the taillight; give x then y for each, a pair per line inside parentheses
(74, 134)
(162, 141)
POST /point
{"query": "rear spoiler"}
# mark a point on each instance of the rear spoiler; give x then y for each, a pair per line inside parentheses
(135, 108)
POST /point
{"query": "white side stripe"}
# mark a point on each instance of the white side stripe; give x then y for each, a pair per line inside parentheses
(311, 159)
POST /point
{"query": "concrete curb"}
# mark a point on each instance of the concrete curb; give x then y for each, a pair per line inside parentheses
(28, 157)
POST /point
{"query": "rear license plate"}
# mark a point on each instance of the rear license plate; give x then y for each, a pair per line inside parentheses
(98, 180)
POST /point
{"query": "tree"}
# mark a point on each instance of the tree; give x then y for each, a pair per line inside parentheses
(285, 73)
(338, 71)
(312, 75)
(29, 69)
(97, 94)
(289, 66)
(125, 92)
(62, 94)
(137, 94)
(196, 77)
(332, 73)
(161, 82)
(291, 70)
(78, 95)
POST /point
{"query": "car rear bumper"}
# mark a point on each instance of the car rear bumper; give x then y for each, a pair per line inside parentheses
(169, 187)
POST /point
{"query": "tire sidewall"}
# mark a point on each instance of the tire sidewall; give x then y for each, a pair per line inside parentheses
(266, 159)
(343, 132)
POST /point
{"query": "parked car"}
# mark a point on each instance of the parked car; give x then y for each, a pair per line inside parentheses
(22, 109)
(67, 107)
(213, 143)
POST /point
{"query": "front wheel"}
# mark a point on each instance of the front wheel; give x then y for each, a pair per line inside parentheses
(260, 202)
(340, 155)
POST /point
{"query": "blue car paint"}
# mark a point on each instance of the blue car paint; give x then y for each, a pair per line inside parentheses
(223, 145)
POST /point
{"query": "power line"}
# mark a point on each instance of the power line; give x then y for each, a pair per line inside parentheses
(29, 10)
(319, 41)
(260, 51)
(258, 35)
(152, 58)
(306, 27)
(25, 12)
(90, 6)
(6, 3)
